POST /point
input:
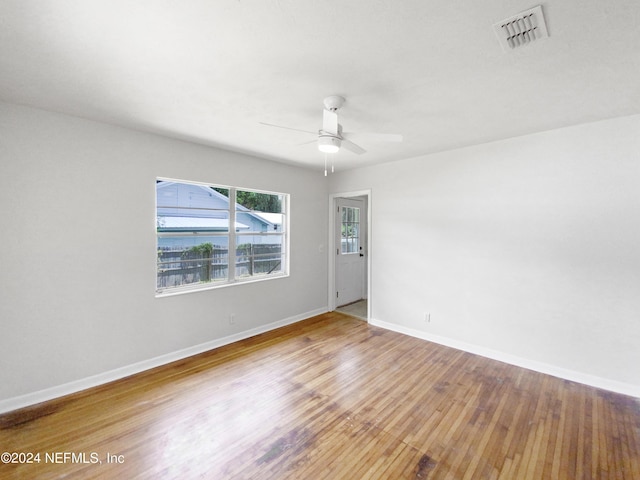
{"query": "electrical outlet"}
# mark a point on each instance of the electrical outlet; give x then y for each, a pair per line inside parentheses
(427, 317)
(232, 319)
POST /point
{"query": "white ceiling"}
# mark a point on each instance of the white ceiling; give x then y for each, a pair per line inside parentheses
(209, 71)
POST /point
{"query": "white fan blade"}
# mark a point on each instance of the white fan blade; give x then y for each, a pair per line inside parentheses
(330, 122)
(315, 140)
(352, 147)
(379, 137)
(288, 128)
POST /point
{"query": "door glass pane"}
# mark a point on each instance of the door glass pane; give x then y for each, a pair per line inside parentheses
(350, 232)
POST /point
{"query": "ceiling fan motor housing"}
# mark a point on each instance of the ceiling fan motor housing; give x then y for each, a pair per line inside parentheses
(328, 143)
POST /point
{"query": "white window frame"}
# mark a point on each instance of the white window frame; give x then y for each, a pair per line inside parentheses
(232, 235)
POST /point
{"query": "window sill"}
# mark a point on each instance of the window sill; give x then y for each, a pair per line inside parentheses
(171, 292)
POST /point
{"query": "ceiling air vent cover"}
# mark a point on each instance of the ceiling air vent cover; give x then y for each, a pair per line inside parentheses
(521, 29)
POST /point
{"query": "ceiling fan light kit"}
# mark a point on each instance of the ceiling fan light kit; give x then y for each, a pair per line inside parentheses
(328, 144)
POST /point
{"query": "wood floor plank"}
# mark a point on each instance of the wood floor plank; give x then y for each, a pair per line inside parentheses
(331, 397)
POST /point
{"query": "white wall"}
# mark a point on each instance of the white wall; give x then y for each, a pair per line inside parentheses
(77, 275)
(527, 248)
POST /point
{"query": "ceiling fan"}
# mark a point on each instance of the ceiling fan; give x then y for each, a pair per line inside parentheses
(331, 138)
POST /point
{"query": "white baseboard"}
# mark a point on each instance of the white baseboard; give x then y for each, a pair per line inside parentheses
(565, 374)
(118, 373)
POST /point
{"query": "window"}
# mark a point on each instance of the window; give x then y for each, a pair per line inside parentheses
(197, 249)
(350, 241)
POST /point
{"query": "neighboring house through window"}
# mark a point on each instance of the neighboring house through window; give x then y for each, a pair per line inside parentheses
(195, 243)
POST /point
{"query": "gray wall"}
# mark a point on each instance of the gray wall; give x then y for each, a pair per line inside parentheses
(86, 191)
(528, 248)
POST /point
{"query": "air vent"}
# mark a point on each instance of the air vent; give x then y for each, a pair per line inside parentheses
(522, 29)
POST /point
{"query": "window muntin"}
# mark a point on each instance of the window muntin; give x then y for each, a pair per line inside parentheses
(195, 242)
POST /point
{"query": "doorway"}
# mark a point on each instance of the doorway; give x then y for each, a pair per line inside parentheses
(349, 278)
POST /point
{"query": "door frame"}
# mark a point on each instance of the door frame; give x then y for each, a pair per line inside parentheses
(333, 197)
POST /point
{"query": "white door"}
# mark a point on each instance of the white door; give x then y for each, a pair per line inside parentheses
(349, 248)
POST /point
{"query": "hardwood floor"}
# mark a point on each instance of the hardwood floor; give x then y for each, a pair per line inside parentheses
(330, 398)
